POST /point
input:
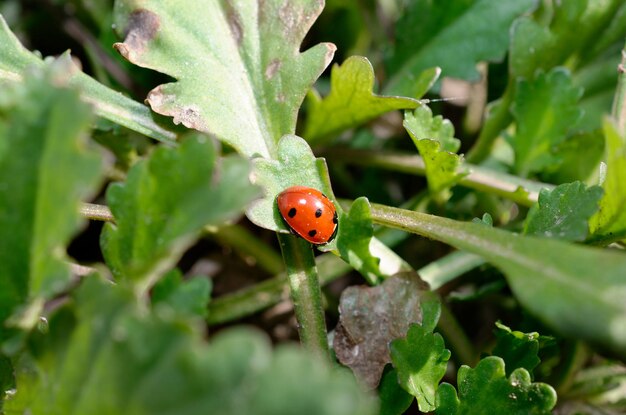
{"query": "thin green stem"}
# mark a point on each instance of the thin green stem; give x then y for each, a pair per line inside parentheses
(497, 120)
(619, 101)
(459, 343)
(448, 268)
(522, 191)
(306, 293)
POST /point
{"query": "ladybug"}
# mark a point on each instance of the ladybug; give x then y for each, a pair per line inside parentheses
(308, 213)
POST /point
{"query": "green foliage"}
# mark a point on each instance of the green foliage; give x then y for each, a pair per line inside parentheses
(421, 362)
(354, 239)
(434, 139)
(564, 212)
(550, 278)
(351, 101)
(110, 104)
(76, 340)
(46, 166)
(393, 399)
(454, 35)
(546, 111)
(610, 221)
(238, 76)
(134, 361)
(164, 204)
(517, 349)
(486, 390)
(185, 297)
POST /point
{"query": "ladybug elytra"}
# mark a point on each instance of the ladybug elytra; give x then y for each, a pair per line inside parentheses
(309, 213)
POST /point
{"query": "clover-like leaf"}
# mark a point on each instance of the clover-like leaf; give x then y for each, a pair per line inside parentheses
(371, 317)
(564, 212)
(352, 102)
(109, 104)
(46, 169)
(545, 110)
(486, 390)
(238, 68)
(421, 361)
(610, 221)
(434, 139)
(113, 356)
(454, 35)
(189, 297)
(166, 201)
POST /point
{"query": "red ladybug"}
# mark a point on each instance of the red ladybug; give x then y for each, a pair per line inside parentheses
(308, 213)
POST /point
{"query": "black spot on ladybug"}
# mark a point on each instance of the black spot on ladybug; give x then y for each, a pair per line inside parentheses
(312, 233)
(318, 213)
(292, 212)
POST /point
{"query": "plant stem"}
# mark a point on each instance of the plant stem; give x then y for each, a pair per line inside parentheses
(96, 212)
(306, 294)
(460, 344)
(479, 178)
(496, 121)
(619, 101)
(268, 293)
(446, 269)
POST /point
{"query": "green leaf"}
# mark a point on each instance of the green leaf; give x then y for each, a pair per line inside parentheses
(113, 356)
(393, 399)
(109, 104)
(545, 110)
(421, 124)
(610, 221)
(517, 349)
(576, 290)
(454, 35)
(351, 101)
(46, 169)
(421, 362)
(165, 202)
(564, 212)
(239, 72)
(189, 298)
(434, 139)
(487, 390)
(370, 317)
(580, 157)
(536, 45)
(354, 239)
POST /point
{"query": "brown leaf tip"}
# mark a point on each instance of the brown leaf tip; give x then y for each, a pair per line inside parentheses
(143, 26)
